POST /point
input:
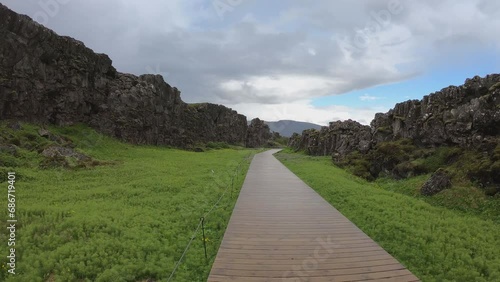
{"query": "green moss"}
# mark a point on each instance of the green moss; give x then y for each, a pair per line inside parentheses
(385, 129)
(196, 105)
(494, 87)
(402, 159)
(440, 157)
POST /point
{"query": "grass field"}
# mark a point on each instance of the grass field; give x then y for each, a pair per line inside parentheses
(435, 242)
(127, 219)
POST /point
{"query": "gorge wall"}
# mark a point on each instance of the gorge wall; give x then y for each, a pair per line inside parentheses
(466, 116)
(47, 78)
(258, 133)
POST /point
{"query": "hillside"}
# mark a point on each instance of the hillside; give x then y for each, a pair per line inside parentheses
(287, 128)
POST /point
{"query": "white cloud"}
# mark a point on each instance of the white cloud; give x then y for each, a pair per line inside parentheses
(279, 88)
(366, 97)
(281, 52)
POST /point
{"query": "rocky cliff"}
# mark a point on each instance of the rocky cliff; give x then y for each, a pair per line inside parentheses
(258, 134)
(467, 116)
(47, 78)
(340, 137)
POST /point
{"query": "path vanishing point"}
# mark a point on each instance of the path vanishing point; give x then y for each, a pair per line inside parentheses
(282, 230)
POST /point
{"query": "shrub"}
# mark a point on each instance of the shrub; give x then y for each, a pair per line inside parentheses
(440, 157)
(4, 173)
(406, 170)
(387, 155)
(217, 145)
(8, 160)
(361, 168)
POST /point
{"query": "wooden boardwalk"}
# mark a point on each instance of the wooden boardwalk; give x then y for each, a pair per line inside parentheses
(282, 230)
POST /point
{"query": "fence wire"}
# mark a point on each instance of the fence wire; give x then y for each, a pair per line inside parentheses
(186, 249)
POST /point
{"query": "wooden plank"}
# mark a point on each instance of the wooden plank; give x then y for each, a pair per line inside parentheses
(331, 265)
(402, 278)
(345, 258)
(281, 230)
(383, 271)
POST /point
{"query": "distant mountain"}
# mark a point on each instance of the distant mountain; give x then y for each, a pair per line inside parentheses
(288, 127)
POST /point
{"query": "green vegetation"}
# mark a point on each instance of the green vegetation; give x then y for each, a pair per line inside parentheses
(494, 87)
(435, 241)
(217, 145)
(196, 105)
(277, 141)
(402, 159)
(125, 217)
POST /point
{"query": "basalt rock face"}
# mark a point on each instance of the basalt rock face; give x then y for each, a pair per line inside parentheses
(339, 138)
(467, 116)
(215, 123)
(439, 181)
(47, 78)
(258, 134)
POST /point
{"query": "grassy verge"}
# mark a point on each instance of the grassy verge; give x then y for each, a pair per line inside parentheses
(126, 217)
(435, 243)
(461, 197)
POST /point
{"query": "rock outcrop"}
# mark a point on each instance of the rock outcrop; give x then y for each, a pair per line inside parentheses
(467, 116)
(339, 138)
(61, 152)
(47, 78)
(439, 181)
(258, 134)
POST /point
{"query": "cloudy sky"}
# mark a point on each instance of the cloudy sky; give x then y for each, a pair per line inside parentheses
(315, 61)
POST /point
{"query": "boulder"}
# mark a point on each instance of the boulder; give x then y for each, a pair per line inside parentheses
(58, 151)
(439, 181)
(55, 138)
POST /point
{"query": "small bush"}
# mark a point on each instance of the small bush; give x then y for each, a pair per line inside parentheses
(30, 136)
(217, 145)
(385, 129)
(8, 160)
(361, 168)
(406, 170)
(15, 141)
(4, 173)
(441, 157)
(387, 155)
